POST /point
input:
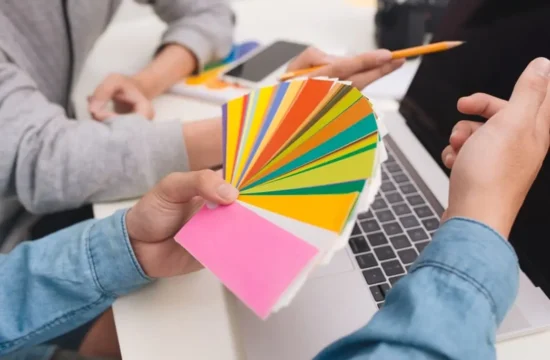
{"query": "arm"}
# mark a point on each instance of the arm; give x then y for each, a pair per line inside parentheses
(92, 265)
(465, 281)
(51, 163)
(468, 268)
(198, 32)
(73, 275)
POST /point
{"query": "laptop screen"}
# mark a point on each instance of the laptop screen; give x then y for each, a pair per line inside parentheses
(502, 37)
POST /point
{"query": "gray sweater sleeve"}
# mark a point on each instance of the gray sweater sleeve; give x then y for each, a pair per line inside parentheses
(203, 26)
(52, 163)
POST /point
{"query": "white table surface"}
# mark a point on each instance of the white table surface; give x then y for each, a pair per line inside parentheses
(189, 317)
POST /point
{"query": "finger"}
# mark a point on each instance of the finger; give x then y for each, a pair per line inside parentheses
(530, 89)
(102, 114)
(105, 91)
(448, 156)
(462, 132)
(179, 188)
(137, 102)
(308, 58)
(363, 79)
(347, 67)
(481, 104)
(97, 111)
(543, 119)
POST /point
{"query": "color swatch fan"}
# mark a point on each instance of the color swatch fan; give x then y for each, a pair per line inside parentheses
(301, 153)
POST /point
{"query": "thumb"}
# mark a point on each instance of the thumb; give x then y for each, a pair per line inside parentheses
(309, 58)
(180, 188)
(530, 91)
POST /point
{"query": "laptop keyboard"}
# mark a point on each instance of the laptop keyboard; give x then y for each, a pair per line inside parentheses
(387, 239)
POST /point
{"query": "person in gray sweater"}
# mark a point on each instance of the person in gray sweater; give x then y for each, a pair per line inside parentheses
(49, 163)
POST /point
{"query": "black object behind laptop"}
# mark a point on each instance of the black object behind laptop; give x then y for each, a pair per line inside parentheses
(404, 24)
(502, 38)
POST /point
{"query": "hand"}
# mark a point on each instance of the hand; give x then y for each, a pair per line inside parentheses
(478, 104)
(361, 70)
(203, 141)
(160, 214)
(126, 94)
(498, 163)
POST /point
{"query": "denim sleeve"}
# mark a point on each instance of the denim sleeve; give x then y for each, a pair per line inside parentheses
(448, 307)
(53, 285)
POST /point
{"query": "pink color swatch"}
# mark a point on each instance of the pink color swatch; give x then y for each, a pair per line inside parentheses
(254, 258)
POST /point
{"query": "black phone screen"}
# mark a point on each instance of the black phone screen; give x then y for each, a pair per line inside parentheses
(266, 61)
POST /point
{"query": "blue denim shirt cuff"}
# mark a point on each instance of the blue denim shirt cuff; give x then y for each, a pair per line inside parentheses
(115, 268)
(491, 264)
(40, 352)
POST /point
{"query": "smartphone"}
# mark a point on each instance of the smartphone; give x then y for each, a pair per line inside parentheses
(259, 64)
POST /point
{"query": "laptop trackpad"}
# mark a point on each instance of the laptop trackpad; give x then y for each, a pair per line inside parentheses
(339, 263)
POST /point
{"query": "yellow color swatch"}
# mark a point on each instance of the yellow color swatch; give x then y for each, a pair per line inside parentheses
(325, 211)
(326, 170)
(291, 93)
(234, 116)
(254, 124)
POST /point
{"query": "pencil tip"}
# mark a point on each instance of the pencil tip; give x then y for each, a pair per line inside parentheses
(453, 44)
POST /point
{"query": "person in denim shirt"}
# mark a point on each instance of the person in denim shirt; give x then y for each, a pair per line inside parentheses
(449, 306)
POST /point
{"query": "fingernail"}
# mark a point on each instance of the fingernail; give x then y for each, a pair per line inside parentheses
(227, 192)
(453, 134)
(448, 158)
(542, 66)
(383, 56)
(211, 205)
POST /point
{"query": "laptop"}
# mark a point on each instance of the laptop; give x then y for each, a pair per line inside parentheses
(341, 297)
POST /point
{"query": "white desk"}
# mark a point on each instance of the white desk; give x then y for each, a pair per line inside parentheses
(188, 317)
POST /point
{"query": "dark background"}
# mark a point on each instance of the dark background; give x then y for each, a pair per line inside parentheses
(502, 37)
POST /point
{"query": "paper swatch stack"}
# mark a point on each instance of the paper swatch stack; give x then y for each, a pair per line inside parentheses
(207, 85)
(304, 154)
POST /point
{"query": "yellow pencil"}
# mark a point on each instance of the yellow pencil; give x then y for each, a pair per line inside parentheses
(398, 54)
(425, 49)
(293, 74)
